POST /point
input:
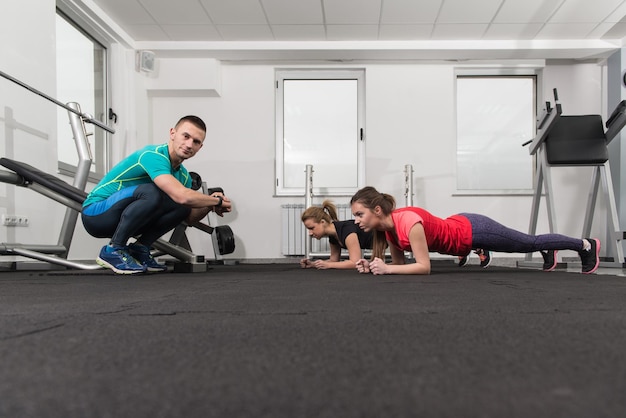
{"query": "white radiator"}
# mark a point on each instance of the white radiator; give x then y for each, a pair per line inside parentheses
(294, 233)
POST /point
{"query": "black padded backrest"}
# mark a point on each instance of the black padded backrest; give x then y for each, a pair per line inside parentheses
(577, 140)
(34, 175)
(619, 110)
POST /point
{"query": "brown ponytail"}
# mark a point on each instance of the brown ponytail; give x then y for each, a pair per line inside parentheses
(370, 198)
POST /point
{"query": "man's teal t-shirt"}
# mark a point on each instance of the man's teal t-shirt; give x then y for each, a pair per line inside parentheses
(141, 167)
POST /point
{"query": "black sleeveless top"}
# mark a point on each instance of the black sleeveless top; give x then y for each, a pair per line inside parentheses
(345, 228)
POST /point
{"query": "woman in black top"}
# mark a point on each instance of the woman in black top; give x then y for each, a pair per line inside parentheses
(321, 221)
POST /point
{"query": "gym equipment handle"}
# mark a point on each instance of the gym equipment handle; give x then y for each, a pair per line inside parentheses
(85, 116)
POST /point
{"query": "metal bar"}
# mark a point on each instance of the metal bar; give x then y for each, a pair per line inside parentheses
(408, 184)
(55, 196)
(9, 247)
(315, 254)
(547, 179)
(11, 178)
(203, 227)
(534, 212)
(177, 252)
(591, 201)
(613, 218)
(55, 260)
(82, 174)
(308, 202)
(542, 134)
(209, 230)
(86, 117)
(542, 180)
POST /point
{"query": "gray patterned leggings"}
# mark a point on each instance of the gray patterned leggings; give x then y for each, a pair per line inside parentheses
(491, 235)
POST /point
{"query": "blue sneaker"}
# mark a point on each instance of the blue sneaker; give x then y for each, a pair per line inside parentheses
(118, 260)
(141, 253)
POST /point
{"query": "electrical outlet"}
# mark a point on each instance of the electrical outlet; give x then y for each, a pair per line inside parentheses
(14, 220)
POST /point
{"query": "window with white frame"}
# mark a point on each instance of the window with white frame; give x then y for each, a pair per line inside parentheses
(495, 116)
(81, 78)
(319, 122)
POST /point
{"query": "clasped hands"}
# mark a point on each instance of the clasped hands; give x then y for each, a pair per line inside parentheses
(306, 263)
(376, 266)
(226, 205)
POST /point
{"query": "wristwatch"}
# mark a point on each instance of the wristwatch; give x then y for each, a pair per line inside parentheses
(219, 204)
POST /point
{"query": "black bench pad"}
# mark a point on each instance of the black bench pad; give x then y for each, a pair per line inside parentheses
(34, 175)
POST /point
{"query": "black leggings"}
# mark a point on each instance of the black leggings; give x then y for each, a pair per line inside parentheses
(142, 211)
(491, 235)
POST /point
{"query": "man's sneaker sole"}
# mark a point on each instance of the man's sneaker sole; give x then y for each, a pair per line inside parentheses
(107, 265)
(464, 261)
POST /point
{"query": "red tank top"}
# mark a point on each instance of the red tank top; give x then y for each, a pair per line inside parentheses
(451, 236)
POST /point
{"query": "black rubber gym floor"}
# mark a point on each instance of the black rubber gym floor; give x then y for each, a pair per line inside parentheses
(277, 341)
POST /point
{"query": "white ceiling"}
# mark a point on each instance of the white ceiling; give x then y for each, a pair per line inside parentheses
(373, 29)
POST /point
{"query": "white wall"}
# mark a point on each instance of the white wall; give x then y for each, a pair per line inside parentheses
(238, 154)
(29, 55)
(410, 119)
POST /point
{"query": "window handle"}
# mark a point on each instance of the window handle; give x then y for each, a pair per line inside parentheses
(112, 115)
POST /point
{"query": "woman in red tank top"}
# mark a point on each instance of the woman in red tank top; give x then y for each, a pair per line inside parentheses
(415, 229)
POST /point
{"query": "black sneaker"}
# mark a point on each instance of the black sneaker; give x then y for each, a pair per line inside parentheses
(463, 261)
(590, 258)
(485, 257)
(549, 259)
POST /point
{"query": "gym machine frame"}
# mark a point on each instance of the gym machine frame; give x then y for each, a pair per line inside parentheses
(601, 174)
(57, 254)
